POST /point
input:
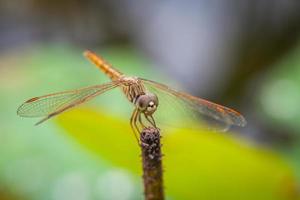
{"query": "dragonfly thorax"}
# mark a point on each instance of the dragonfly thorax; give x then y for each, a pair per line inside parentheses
(132, 88)
(147, 103)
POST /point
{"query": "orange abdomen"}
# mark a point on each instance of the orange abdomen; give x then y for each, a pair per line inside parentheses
(104, 66)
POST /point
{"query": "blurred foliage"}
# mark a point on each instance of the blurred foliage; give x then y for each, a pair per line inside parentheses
(54, 161)
(279, 96)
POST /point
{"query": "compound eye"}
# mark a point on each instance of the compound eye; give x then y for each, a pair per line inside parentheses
(147, 103)
(143, 102)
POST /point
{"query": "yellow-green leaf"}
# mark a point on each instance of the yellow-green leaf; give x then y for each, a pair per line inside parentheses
(197, 164)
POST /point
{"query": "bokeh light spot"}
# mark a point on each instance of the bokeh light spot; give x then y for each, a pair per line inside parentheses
(281, 99)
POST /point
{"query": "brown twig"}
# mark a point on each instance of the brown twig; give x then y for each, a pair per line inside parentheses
(152, 164)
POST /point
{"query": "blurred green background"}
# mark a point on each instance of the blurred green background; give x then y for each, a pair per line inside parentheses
(243, 55)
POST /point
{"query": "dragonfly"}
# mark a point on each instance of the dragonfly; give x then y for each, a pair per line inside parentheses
(136, 90)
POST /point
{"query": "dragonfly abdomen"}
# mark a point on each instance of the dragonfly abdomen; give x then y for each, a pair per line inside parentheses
(104, 66)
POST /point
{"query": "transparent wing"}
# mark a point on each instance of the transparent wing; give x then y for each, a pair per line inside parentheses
(190, 106)
(56, 103)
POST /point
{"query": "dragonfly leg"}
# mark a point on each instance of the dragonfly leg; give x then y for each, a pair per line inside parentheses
(153, 121)
(150, 119)
(135, 121)
(133, 125)
(140, 120)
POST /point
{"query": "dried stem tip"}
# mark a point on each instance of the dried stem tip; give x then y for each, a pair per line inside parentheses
(152, 167)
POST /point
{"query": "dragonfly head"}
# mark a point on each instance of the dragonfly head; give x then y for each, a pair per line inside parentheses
(147, 103)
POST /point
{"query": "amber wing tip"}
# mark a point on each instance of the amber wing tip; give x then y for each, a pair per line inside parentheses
(32, 99)
(20, 110)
